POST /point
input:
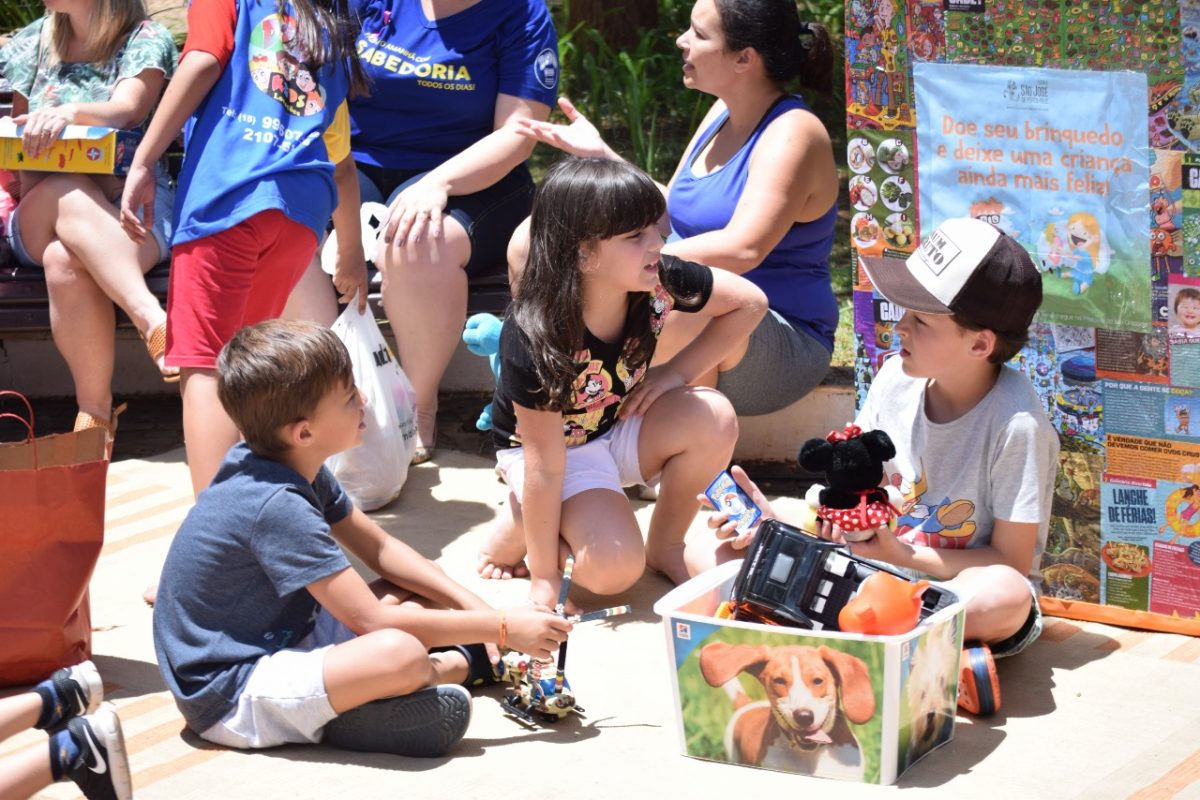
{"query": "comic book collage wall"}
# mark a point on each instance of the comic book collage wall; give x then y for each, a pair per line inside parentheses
(1074, 125)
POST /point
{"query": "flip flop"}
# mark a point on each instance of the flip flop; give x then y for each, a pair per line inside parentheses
(156, 346)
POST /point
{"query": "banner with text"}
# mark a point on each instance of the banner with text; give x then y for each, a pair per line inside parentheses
(1060, 160)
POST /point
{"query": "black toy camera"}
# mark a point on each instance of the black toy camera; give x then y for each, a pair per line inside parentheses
(794, 578)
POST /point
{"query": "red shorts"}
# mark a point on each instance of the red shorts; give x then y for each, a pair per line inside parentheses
(224, 282)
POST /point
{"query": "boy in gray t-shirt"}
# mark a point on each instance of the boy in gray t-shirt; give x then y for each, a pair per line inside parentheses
(975, 454)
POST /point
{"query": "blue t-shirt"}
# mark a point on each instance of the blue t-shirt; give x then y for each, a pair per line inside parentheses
(254, 143)
(233, 585)
(435, 82)
(795, 275)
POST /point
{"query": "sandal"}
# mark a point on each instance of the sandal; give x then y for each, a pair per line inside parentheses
(424, 453)
(480, 671)
(156, 346)
(85, 421)
(978, 683)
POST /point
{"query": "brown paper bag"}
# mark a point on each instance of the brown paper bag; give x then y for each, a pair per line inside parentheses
(51, 532)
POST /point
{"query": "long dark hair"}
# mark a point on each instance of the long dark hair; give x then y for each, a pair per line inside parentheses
(788, 47)
(325, 34)
(580, 201)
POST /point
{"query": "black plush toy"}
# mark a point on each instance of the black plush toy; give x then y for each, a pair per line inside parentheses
(853, 465)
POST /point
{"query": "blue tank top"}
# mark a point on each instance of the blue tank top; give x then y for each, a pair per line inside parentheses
(795, 275)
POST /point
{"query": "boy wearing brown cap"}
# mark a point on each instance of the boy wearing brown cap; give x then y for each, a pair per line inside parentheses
(975, 454)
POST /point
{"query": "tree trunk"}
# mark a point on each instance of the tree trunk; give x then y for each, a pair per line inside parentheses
(619, 21)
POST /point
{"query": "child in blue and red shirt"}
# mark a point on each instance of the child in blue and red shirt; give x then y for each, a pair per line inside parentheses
(258, 85)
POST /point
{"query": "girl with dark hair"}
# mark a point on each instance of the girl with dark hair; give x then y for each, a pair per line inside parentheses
(755, 193)
(578, 412)
(257, 184)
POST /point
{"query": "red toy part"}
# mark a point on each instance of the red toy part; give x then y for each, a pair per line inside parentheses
(885, 605)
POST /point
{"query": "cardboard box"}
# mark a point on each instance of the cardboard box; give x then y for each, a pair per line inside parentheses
(81, 148)
(892, 700)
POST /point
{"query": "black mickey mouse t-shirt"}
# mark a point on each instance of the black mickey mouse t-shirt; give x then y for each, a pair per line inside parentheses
(604, 377)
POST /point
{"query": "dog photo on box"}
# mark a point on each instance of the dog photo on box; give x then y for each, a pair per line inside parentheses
(929, 667)
(824, 703)
(783, 702)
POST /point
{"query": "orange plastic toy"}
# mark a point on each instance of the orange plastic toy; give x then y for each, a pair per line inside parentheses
(885, 605)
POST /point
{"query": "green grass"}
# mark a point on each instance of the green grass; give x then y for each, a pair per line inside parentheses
(16, 14)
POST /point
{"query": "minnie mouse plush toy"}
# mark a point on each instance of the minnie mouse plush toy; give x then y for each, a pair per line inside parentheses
(853, 465)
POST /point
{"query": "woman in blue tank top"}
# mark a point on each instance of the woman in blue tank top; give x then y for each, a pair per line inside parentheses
(755, 192)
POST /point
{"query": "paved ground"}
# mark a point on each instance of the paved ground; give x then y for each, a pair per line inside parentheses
(1091, 711)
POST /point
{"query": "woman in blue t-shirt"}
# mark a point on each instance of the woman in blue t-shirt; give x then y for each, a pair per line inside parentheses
(437, 138)
(755, 192)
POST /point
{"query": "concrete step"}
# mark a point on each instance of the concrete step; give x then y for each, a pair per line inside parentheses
(30, 363)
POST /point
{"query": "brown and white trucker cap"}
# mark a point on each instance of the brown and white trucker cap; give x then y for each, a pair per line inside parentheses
(966, 267)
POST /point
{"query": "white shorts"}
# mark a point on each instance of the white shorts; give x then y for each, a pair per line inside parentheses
(606, 462)
(285, 700)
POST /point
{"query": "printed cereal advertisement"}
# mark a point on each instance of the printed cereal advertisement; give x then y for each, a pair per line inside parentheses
(1150, 556)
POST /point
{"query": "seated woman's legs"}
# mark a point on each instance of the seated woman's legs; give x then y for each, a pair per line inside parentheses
(425, 298)
(69, 226)
(83, 324)
(773, 368)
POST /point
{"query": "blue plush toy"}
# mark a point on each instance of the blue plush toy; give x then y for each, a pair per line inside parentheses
(482, 337)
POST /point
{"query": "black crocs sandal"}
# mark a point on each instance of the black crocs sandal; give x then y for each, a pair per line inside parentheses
(480, 671)
(424, 724)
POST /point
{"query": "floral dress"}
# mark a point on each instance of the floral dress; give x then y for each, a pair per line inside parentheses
(27, 63)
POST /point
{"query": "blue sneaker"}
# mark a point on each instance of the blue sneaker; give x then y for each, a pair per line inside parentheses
(69, 692)
(103, 769)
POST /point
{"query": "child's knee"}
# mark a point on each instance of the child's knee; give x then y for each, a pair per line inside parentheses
(704, 411)
(402, 651)
(995, 589)
(611, 567)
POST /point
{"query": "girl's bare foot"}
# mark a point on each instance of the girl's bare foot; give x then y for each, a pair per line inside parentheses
(670, 562)
(150, 594)
(503, 554)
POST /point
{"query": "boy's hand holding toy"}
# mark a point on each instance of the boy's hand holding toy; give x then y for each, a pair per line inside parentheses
(535, 630)
(853, 502)
(880, 543)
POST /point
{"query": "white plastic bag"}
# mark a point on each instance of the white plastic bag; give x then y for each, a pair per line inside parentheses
(374, 472)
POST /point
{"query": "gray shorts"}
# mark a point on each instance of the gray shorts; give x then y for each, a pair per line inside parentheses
(285, 699)
(164, 208)
(781, 365)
